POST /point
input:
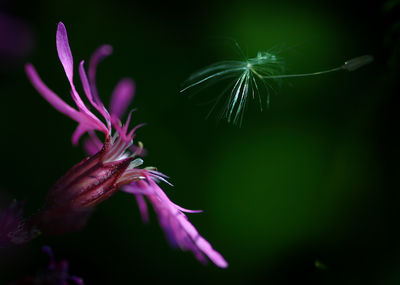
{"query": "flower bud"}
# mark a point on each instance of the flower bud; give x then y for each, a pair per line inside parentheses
(73, 197)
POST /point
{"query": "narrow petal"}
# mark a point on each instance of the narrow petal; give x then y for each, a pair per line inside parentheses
(179, 231)
(122, 129)
(92, 144)
(64, 51)
(187, 210)
(212, 254)
(89, 94)
(99, 54)
(85, 82)
(142, 208)
(50, 96)
(122, 97)
(85, 118)
(79, 131)
(65, 55)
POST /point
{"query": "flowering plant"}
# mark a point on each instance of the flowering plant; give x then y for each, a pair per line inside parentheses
(112, 164)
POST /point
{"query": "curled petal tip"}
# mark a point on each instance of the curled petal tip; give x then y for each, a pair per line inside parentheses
(106, 49)
(214, 256)
(29, 69)
(223, 264)
(61, 29)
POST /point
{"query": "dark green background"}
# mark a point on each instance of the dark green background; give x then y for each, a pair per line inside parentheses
(314, 178)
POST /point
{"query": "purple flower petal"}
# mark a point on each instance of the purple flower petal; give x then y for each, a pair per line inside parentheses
(212, 254)
(142, 207)
(179, 231)
(84, 117)
(99, 54)
(50, 96)
(122, 97)
(92, 144)
(65, 55)
(86, 87)
(64, 51)
(79, 131)
(123, 129)
(112, 165)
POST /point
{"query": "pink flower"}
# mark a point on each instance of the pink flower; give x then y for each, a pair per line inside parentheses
(113, 164)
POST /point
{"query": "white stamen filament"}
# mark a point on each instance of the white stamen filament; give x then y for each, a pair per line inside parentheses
(117, 150)
(131, 175)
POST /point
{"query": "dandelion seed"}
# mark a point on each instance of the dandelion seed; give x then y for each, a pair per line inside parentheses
(254, 78)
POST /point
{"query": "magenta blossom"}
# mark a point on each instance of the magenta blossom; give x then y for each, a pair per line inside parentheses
(113, 164)
(13, 228)
(56, 273)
